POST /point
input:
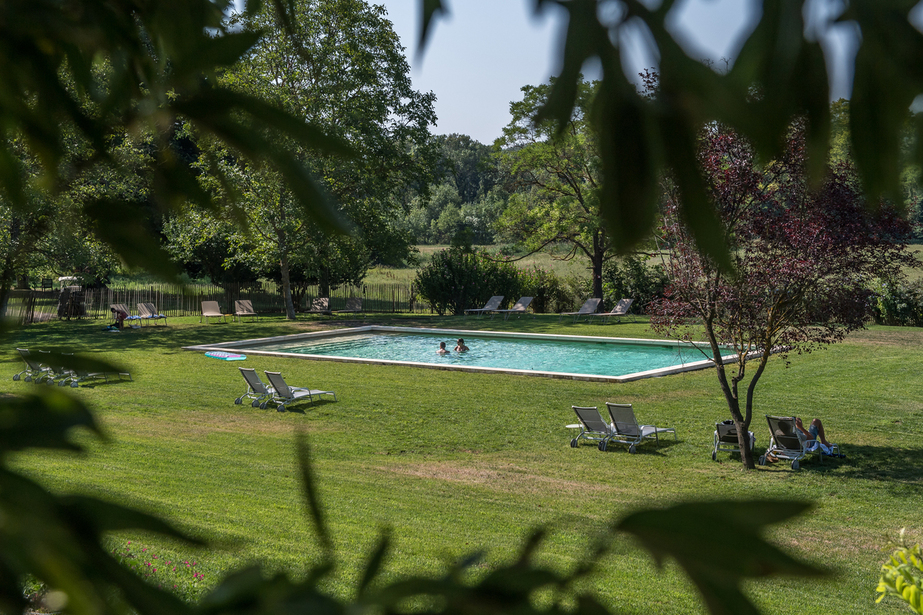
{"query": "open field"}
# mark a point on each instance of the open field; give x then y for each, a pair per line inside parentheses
(577, 267)
(458, 462)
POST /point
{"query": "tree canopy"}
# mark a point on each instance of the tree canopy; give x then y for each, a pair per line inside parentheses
(803, 260)
(554, 179)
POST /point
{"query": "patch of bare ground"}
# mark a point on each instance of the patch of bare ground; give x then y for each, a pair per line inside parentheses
(846, 542)
(501, 478)
(904, 337)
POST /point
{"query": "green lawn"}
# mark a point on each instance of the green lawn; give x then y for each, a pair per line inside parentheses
(457, 462)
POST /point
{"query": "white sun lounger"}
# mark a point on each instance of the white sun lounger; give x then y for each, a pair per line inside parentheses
(519, 308)
(256, 389)
(210, 309)
(627, 429)
(588, 308)
(284, 394)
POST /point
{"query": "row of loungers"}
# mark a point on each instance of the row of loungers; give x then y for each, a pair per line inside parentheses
(244, 307)
(276, 392)
(50, 368)
(786, 442)
(147, 312)
(588, 309)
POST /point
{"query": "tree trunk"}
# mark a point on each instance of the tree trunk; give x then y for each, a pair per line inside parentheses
(323, 282)
(597, 261)
(743, 440)
(287, 288)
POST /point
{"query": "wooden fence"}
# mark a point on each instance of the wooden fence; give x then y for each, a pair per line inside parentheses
(27, 306)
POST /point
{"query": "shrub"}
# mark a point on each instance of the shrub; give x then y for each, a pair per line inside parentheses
(632, 277)
(549, 293)
(896, 303)
(457, 279)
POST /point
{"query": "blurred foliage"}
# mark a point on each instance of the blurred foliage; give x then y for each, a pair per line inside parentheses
(902, 575)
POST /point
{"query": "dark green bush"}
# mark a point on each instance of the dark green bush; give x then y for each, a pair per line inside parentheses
(549, 292)
(457, 279)
(632, 277)
(898, 303)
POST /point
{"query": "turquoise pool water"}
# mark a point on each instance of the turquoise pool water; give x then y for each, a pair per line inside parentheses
(577, 356)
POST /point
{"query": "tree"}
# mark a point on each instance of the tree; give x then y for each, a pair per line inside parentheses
(779, 73)
(341, 66)
(802, 263)
(554, 180)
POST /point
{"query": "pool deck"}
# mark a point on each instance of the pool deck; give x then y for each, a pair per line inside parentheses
(249, 347)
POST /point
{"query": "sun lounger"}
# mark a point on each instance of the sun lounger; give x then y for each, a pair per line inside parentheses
(256, 390)
(492, 304)
(595, 428)
(83, 375)
(789, 443)
(132, 320)
(35, 371)
(284, 394)
(588, 308)
(621, 309)
(726, 439)
(243, 307)
(148, 312)
(321, 305)
(519, 308)
(60, 375)
(627, 429)
(210, 309)
(353, 304)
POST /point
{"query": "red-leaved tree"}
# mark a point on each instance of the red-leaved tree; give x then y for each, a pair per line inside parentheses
(802, 262)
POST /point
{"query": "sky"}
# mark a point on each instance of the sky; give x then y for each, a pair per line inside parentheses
(479, 57)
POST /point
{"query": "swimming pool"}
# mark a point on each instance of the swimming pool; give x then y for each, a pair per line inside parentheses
(560, 356)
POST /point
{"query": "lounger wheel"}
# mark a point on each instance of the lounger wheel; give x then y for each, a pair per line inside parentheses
(263, 406)
(255, 403)
(714, 456)
(238, 401)
(795, 464)
(631, 449)
(762, 460)
(16, 377)
(574, 443)
(280, 408)
(27, 379)
(602, 446)
(74, 385)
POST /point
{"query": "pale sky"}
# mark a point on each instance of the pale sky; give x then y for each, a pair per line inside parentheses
(479, 57)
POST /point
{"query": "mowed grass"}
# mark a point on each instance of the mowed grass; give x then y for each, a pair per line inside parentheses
(456, 462)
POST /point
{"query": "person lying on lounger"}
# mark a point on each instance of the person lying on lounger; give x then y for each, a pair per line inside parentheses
(815, 431)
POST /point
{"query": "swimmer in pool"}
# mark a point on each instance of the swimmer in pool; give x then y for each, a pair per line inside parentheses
(442, 349)
(461, 346)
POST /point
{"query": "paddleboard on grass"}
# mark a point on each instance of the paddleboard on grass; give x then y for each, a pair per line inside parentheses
(225, 356)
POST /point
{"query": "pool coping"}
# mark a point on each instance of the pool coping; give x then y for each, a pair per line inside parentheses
(239, 345)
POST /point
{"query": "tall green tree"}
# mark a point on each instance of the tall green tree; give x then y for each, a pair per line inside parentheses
(554, 179)
(341, 66)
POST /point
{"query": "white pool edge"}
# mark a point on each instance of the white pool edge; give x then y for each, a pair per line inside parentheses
(239, 345)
